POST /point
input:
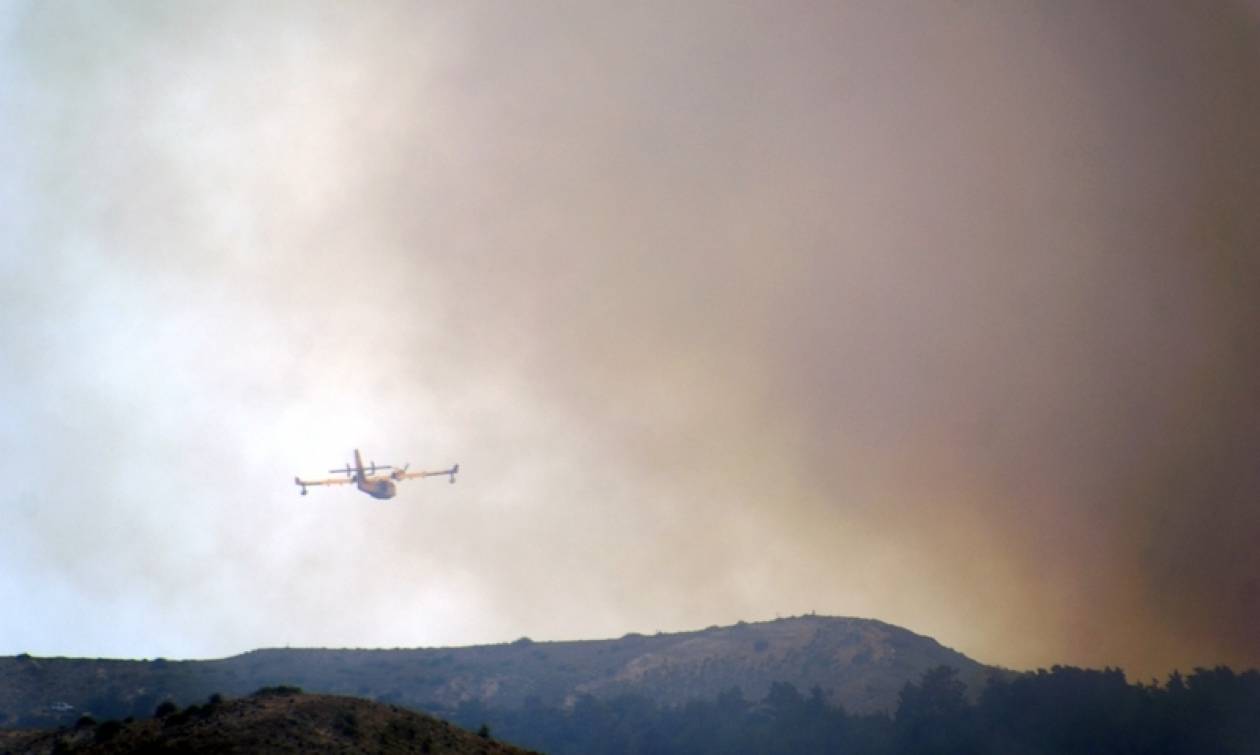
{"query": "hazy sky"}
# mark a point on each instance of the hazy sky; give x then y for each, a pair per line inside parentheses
(942, 313)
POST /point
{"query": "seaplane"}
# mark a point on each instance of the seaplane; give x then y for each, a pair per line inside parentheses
(370, 479)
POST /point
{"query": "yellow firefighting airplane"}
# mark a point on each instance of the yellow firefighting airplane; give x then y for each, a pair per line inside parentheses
(376, 486)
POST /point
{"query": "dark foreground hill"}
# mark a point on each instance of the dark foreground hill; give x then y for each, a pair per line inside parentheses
(283, 721)
(858, 663)
(1063, 711)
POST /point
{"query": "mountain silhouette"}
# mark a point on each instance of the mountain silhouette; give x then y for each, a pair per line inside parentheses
(860, 664)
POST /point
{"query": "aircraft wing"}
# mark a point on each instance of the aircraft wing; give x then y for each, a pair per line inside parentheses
(417, 475)
(399, 475)
(332, 481)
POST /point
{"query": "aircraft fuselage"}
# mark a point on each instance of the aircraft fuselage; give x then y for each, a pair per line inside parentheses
(378, 487)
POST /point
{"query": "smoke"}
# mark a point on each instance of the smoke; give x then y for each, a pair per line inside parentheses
(943, 315)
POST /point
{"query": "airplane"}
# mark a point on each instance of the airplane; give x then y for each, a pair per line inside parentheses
(364, 478)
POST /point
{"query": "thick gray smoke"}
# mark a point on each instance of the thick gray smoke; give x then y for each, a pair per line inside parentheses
(941, 313)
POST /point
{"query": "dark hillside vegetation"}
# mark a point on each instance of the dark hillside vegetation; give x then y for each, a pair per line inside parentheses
(1068, 711)
(275, 720)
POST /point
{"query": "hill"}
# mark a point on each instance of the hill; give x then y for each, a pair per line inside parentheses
(283, 721)
(859, 663)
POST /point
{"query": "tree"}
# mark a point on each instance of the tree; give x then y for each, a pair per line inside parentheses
(934, 717)
(165, 709)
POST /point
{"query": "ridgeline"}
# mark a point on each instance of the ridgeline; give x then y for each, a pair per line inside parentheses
(859, 664)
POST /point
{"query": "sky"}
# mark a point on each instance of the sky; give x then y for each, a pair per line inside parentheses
(941, 313)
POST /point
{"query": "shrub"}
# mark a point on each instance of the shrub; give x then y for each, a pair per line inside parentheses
(278, 691)
(165, 709)
(348, 724)
(107, 731)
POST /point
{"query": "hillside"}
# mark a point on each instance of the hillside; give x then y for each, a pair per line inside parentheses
(859, 663)
(288, 722)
